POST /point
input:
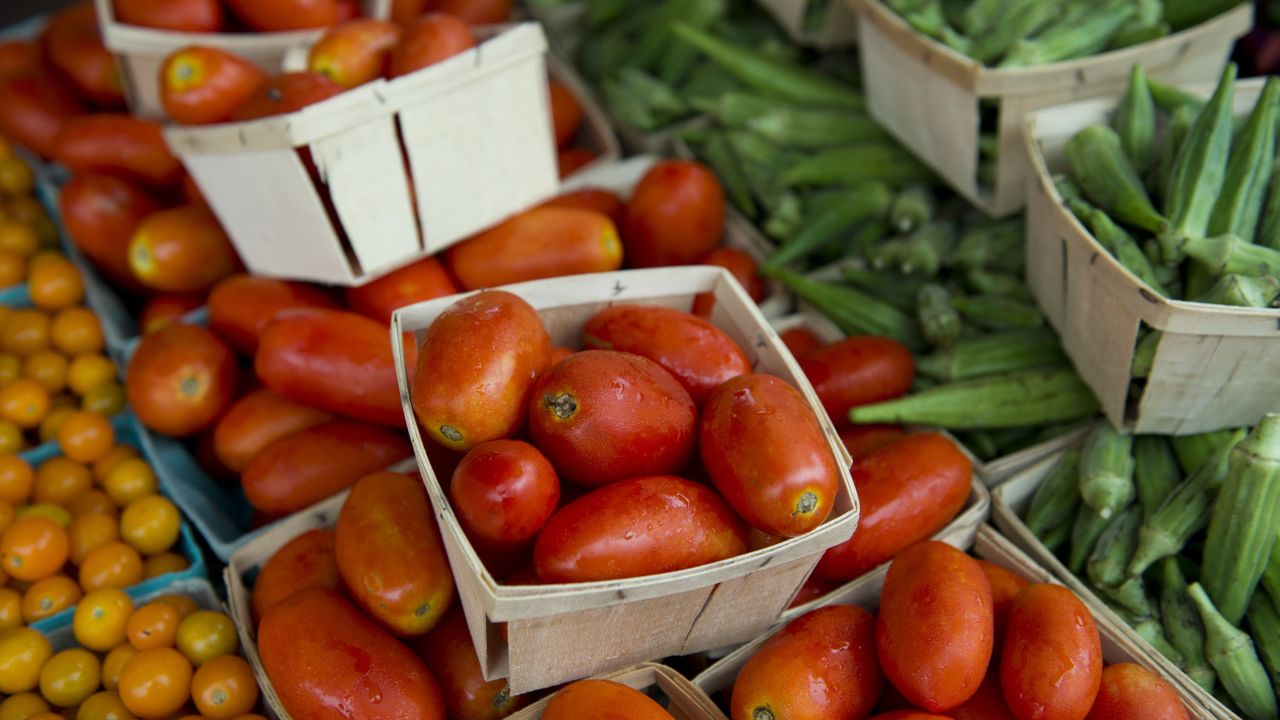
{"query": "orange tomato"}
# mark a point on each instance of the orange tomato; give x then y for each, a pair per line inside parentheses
(49, 426)
(10, 609)
(163, 564)
(18, 238)
(47, 368)
(153, 625)
(150, 524)
(13, 268)
(205, 635)
(113, 564)
(355, 52)
(155, 683)
(119, 144)
(23, 706)
(166, 308)
(16, 479)
(180, 379)
(86, 437)
(61, 480)
(23, 652)
(76, 330)
(224, 688)
(49, 596)
(89, 532)
(566, 112)
(129, 480)
(88, 371)
(108, 462)
(182, 249)
(101, 618)
(429, 40)
(32, 548)
(24, 402)
(55, 284)
(106, 399)
(114, 663)
(11, 440)
(280, 15)
(541, 243)
(94, 501)
(69, 677)
(25, 332)
(185, 605)
(203, 85)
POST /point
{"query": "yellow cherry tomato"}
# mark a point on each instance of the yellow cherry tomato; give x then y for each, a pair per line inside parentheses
(224, 688)
(150, 524)
(94, 501)
(61, 480)
(10, 609)
(153, 625)
(155, 683)
(163, 564)
(23, 652)
(105, 399)
(69, 677)
(49, 511)
(11, 440)
(130, 480)
(48, 368)
(101, 618)
(105, 705)
(205, 635)
(89, 370)
(116, 455)
(52, 423)
(184, 605)
(114, 662)
(48, 597)
(89, 532)
(114, 564)
(23, 706)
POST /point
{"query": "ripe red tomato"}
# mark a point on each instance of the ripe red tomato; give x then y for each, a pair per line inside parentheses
(449, 653)
(203, 85)
(571, 160)
(33, 107)
(192, 16)
(17, 57)
(812, 589)
(286, 93)
(428, 40)
(73, 45)
(541, 243)
(166, 308)
(566, 113)
(602, 201)
(120, 144)
(282, 15)
(405, 11)
(418, 282)
(503, 492)
(988, 702)
(180, 379)
(477, 12)
(1051, 663)
(935, 632)
(862, 440)
(1005, 586)
(857, 371)
(909, 715)
(1132, 691)
(602, 699)
(255, 421)
(739, 264)
(800, 341)
(101, 213)
(241, 306)
(821, 665)
(307, 561)
(183, 249)
(355, 52)
(675, 215)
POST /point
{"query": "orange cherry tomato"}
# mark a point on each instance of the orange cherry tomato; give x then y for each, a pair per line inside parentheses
(180, 379)
(94, 501)
(10, 609)
(101, 618)
(25, 332)
(48, 597)
(202, 85)
(116, 455)
(182, 249)
(55, 284)
(24, 403)
(85, 437)
(89, 532)
(32, 548)
(153, 625)
(185, 605)
(155, 683)
(163, 564)
(114, 663)
(111, 565)
(224, 688)
(428, 40)
(16, 479)
(76, 330)
(61, 480)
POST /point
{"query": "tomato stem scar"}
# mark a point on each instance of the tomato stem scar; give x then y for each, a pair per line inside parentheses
(807, 503)
(563, 405)
(451, 433)
(762, 713)
(502, 697)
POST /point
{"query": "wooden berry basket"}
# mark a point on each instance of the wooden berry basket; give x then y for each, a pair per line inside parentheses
(684, 700)
(403, 167)
(1216, 366)
(839, 28)
(928, 95)
(557, 633)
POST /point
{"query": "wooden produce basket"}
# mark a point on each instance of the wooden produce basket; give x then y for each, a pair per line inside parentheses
(557, 633)
(402, 168)
(839, 24)
(1009, 503)
(928, 96)
(684, 700)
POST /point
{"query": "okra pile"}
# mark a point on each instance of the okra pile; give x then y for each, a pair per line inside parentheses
(1021, 33)
(1181, 538)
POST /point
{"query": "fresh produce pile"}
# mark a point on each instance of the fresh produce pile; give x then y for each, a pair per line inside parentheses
(239, 16)
(1129, 515)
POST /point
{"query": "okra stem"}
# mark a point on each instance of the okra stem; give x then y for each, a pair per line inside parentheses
(1106, 471)
(1233, 656)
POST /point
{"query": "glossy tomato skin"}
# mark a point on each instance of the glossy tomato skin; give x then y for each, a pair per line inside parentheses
(739, 264)
(121, 144)
(909, 715)
(862, 440)
(286, 93)
(492, 340)
(306, 561)
(988, 702)
(336, 361)
(18, 56)
(800, 342)
(73, 45)
(283, 15)
(177, 15)
(476, 12)
(101, 213)
(908, 490)
(541, 243)
(405, 11)
(166, 308)
(429, 40)
(602, 201)
(355, 52)
(857, 371)
(766, 452)
(390, 554)
(304, 468)
(1132, 691)
(566, 113)
(182, 249)
(1051, 663)
(202, 85)
(503, 492)
(448, 652)
(180, 379)
(255, 421)
(699, 355)
(637, 527)
(603, 699)
(241, 306)
(33, 107)
(813, 588)
(1005, 586)
(675, 215)
(329, 661)
(821, 665)
(601, 416)
(420, 281)
(935, 630)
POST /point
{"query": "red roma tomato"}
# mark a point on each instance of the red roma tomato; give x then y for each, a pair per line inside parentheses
(255, 421)
(477, 12)
(428, 40)
(821, 665)
(203, 85)
(571, 160)
(73, 45)
(281, 15)
(699, 355)
(935, 632)
(180, 379)
(307, 561)
(857, 371)
(675, 215)
(566, 112)
(33, 107)
(178, 15)
(101, 213)
(329, 661)
(812, 589)
(390, 554)
(308, 466)
(541, 243)
(451, 657)
(800, 342)
(1051, 664)
(121, 144)
(1005, 586)
(1132, 691)
(503, 492)
(355, 52)
(348, 10)
(601, 416)
(17, 57)
(241, 306)
(336, 361)
(909, 490)
(602, 699)
(167, 308)
(739, 264)
(642, 526)
(909, 715)
(183, 249)
(559, 353)
(286, 93)
(766, 453)
(862, 440)
(423, 280)
(405, 11)
(492, 340)
(602, 201)
(988, 702)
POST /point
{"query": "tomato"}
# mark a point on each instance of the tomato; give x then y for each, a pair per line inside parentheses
(285, 93)
(821, 665)
(675, 215)
(566, 112)
(24, 403)
(355, 52)
(1051, 662)
(18, 56)
(764, 449)
(180, 379)
(204, 635)
(862, 440)
(280, 15)
(571, 160)
(155, 683)
(153, 625)
(309, 466)
(69, 677)
(167, 308)
(857, 371)
(601, 416)
(241, 306)
(16, 478)
(55, 284)
(119, 144)
(23, 706)
(449, 654)
(23, 652)
(85, 437)
(130, 480)
(335, 361)
(1132, 691)
(304, 562)
(935, 630)
(255, 421)
(541, 243)
(73, 45)
(404, 11)
(192, 16)
(699, 355)
(163, 564)
(420, 281)
(33, 107)
(32, 548)
(105, 705)
(151, 524)
(48, 597)
(324, 657)
(477, 12)
(101, 619)
(182, 249)
(1005, 586)
(101, 213)
(503, 492)
(988, 702)
(632, 528)
(908, 490)
(224, 688)
(741, 265)
(203, 85)
(112, 564)
(604, 202)
(602, 699)
(494, 340)
(812, 589)
(909, 715)
(76, 330)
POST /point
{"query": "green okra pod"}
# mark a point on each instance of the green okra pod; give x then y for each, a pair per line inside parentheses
(913, 207)
(719, 156)
(1085, 530)
(1249, 169)
(821, 229)
(853, 311)
(1057, 536)
(1155, 471)
(1133, 34)
(920, 253)
(985, 282)
(1017, 19)
(1120, 243)
(939, 322)
(1144, 355)
(1271, 575)
(1057, 497)
(1229, 254)
(858, 163)
(1090, 34)
(1101, 168)
(1194, 450)
(1136, 120)
(1264, 628)
(1241, 291)
(1106, 471)
(1182, 625)
(1234, 657)
(993, 354)
(998, 246)
(900, 291)
(1107, 563)
(998, 313)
